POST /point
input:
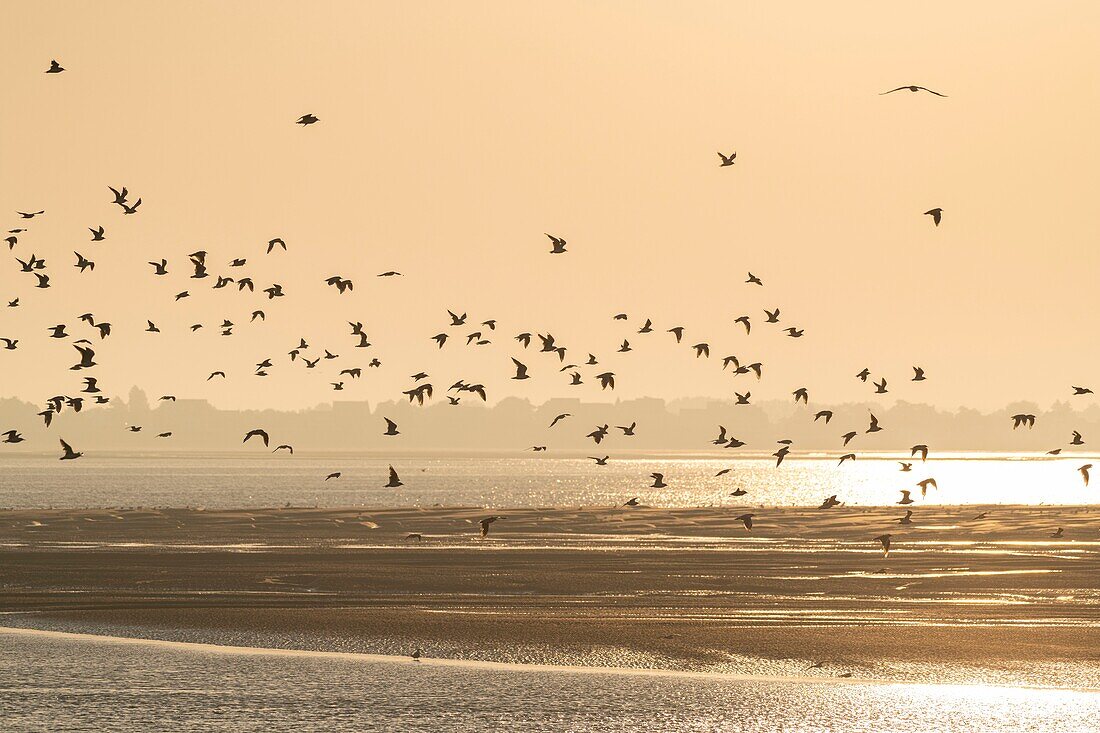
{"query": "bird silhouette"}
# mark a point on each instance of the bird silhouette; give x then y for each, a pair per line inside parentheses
(727, 160)
(936, 214)
(884, 541)
(257, 433)
(394, 481)
(913, 88)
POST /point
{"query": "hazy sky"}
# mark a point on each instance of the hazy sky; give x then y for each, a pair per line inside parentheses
(453, 135)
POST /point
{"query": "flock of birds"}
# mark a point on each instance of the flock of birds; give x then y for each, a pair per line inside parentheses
(199, 264)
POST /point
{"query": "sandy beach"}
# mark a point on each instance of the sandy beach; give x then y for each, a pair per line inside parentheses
(959, 599)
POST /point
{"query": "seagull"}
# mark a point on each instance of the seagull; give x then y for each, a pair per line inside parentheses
(924, 486)
(880, 387)
(905, 467)
(10, 344)
(633, 501)
(745, 519)
(884, 540)
(905, 497)
(599, 461)
(658, 481)
(83, 262)
(486, 522)
(559, 418)
(913, 88)
(1057, 533)
(874, 428)
(848, 437)
(55, 68)
(307, 119)
(702, 349)
(738, 492)
(558, 244)
(908, 518)
(1084, 471)
(29, 214)
(1081, 391)
(628, 430)
(285, 447)
(12, 436)
(918, 374)
(391, 427)
(257, 433)
(276, 242)
(1077, 440)
(827, 414)
(334, 474)
(97, 234)
(744, 320)
(69, 453)
(677, 331)
(830, 502)
(743, 399)
(521, 370)
(607, 379)
(922, 449)
(419, 538)
(936, 214)
(846, 457)
(801, 394)
(131, 209)
(394, 481)
(1021, 419)
(721, 439)
(727, 160)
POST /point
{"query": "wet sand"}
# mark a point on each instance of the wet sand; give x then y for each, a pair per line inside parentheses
(958, 599)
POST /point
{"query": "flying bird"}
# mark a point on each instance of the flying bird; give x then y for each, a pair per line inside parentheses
(307, 119)
(485, 524)
(55, 68)
(913, 88)
(727, 160)
(884, 540)
(68, 453)
(394, 481)
(558, 244)
(936, 214)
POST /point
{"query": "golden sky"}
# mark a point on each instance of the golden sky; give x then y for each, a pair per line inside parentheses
(453, 135)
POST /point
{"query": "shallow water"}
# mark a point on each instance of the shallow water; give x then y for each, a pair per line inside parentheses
(225, 480)
(69, 684)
